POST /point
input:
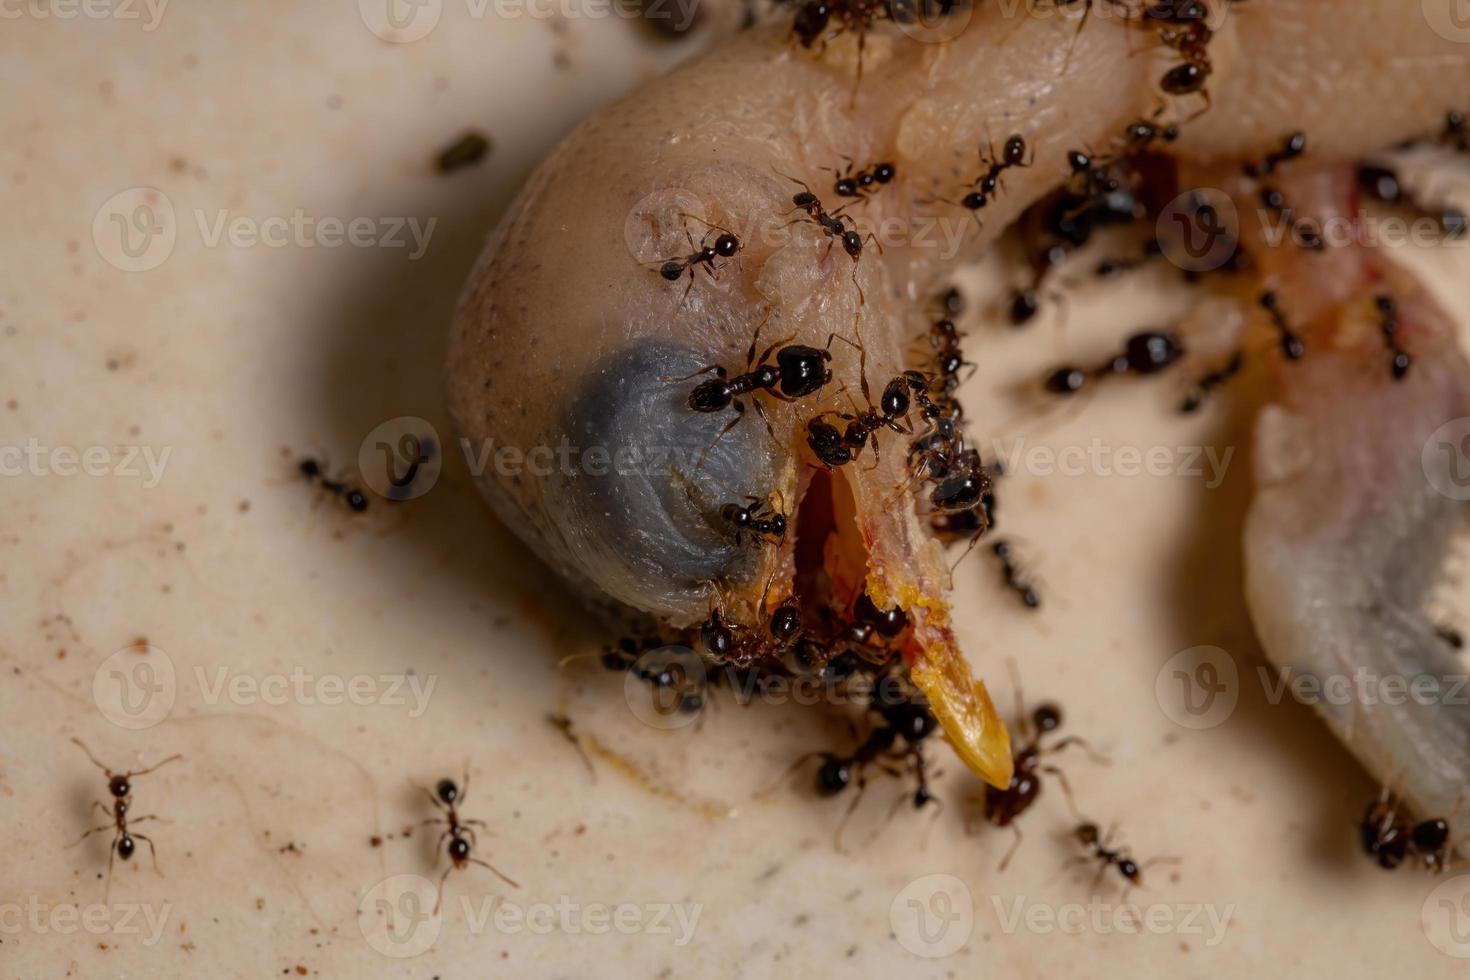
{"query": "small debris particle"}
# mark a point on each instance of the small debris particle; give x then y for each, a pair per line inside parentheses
(467, 151)
(375, 841)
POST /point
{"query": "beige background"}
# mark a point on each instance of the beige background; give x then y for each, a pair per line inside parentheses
(235, 359)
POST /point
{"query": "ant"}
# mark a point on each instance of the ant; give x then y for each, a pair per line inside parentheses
(316, 473)
(1012, 574)
(760, 520)
(834, 224)
(730, 642)
(1003, 806)
(1107, 856)
(1141, 133)
(868, 620)
(1145, 353)
(814, 17)
(1292, 347)
(834, 447)
(1388, 325)
(1184, 28)
(1383, 184)
(864, 182)
(724, 247)
(987, 185)
(1389, 839)
(124, 840)
(447, 796)
(1211, 380)
(1455, 134)
(1293, 146)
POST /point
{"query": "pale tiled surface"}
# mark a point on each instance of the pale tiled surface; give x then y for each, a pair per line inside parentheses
(224, 355)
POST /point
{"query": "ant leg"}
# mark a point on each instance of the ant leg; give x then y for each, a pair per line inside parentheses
(1011, 851)
(739, 414)
(974, 540)
(1070, 740)
(719, 373)
(1023, 723)
(111, 855)
(107, 826)
(770, 430)
(97, 805)
(1066, 788)
(439, 900)
(152, 851)
(498, 873)
(143, 772)
(99, 765)
(857, 798)
(803, 760)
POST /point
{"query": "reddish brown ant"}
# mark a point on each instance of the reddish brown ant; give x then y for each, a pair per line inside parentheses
(315, 472)
(1003, 806)
(1107, 856)
(1390, 839)
(834, 224)
(1184, 27)
(447, 797)
(124, 839)
(814, 22)
(1144, 353)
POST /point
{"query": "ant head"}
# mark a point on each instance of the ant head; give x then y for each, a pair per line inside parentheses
(884, 173)
(1152, 351)
(846, 187)
(310, 468)
(1088, 833)
(356, 499)
(726, 245)
(1184, 79)
(1065, 381)
(803, 369)
(804, 199)
(447, 791)
(777, 525)
(1078, 162)
(973, 201)
(922, 797)
(1386, 306)
(737, 515)
(1129, 869)
(119, 786)
(1047, 717)
(710, 396)
(718, 639)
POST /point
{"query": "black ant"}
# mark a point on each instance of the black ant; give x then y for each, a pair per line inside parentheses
(1141, 133)
(1388, 325)
(725, 246)
(316, 473)
(1208, 382)
(1292, 147)
(1003, 806)
(1109, 857)
(1383, 184)
(1145, 353)
(124, 839)
(864, 182)
(759, 520)
(1390, 839)
(834, 447)
(1012, 575)
(869, 621)
(834, 224)
(462, 838)
(814, 18)
(1292, 347)
(987, 185)
(730, 642)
